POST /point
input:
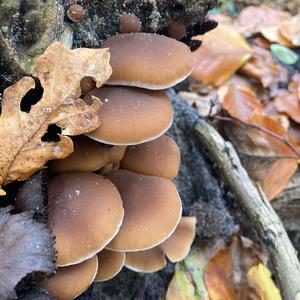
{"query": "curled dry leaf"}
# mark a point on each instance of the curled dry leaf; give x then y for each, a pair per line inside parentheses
(253, 18)
(26, 246)
(222, 52)
(226, 272)
(60, 70)
(273, 35)
(262, 67)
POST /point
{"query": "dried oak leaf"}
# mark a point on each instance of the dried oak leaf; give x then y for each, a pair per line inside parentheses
(26, 246)
(254, 18)
(222, 52)
(60, 70)
(226, 272)
(268, 159)
(262, 67)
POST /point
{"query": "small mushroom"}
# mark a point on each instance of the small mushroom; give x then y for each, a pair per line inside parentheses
(85, 212)
(131, 116)
(88, 156)
(152, 210)
(129, 23)
(110, 264)
(176, 30)
(176, 248)
(148, 60)
(160, 157)
(69, 282)
(75, 13)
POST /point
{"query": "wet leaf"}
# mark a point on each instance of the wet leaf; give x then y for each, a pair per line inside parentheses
(59, 70)
(259, 277)
(254, 18)
(26, 246)
(262, 67)
(284, 54)
(222, 52)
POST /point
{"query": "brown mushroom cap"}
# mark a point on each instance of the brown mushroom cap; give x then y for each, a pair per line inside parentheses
(88, 156)
(152, 210)
(131, 116)
(129, 23)
(71, 281)
(160, 157)
(110, 264)
(176, 248)
(148, 60)
(85, 212)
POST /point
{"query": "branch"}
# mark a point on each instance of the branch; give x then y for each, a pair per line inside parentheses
(259, 211)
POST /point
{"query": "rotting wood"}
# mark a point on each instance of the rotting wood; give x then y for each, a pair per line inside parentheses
(259, 211)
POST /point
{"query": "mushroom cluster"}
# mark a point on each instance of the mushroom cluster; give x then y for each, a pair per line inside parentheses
(112, 203)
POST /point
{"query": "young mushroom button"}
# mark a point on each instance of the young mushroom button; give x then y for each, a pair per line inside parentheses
(148, 60)
(130, 115)
(152, 210)
(85, 212)
(129, 23)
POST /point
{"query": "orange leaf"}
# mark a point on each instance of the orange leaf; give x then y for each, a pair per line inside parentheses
(239, 102)
(60, 70)
(222, 52)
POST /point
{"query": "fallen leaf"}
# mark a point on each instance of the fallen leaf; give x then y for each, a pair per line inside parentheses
(254, 18)
(26, 247)
(259, 277)
(284, 54)
(222, 52)
(239, 102)
(268, 159)
(226, 272)
(22, 151)
(290, 30)
(288, 103)
(262, 67)
(181, 286)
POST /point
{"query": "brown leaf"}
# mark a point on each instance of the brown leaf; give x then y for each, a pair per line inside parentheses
(268, 159)
(273, 35)
(239, 102)
(26, 246)
(222, 52)
(288, 103)
(226, 272)
(22, 152)
(290, 30)
(262, 67)
(254, 18)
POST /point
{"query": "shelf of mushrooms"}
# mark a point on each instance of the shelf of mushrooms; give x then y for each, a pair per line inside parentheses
(112, 203)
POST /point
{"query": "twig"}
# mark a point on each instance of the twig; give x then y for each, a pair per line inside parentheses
(258, 210)
(283, 139)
